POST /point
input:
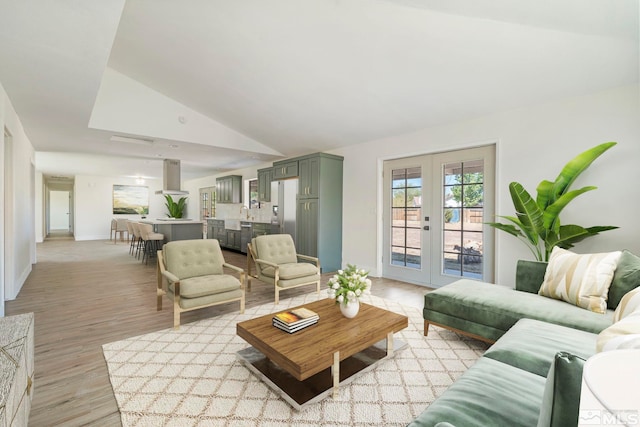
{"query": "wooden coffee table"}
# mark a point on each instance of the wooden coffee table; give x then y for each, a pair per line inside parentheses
(308, 365)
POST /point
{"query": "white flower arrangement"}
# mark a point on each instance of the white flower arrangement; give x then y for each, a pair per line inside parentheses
(349, 284)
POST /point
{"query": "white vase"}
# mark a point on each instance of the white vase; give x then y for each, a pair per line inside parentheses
(350, 309)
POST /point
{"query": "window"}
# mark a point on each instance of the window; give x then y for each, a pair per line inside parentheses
(463, 218)
(253, 193)
(406, 210)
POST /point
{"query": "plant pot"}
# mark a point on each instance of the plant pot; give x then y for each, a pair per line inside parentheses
(350, 309)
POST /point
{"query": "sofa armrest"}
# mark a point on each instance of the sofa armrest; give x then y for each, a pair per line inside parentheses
(530, 275)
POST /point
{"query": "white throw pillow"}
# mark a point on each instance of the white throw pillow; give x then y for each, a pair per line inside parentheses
(629, 303)
(580, 279)
(620, 335)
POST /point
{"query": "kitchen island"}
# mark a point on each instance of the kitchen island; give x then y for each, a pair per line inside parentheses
(177, 229)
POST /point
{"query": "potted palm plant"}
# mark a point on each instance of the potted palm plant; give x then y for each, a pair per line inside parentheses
(176, 209)
(537, 221)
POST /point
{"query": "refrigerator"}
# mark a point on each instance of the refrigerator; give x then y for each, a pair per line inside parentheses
(287, 200)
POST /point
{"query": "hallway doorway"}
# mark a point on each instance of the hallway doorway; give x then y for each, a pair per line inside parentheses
(59, 207)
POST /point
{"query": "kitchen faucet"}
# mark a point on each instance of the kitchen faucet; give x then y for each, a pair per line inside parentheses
(243, 208)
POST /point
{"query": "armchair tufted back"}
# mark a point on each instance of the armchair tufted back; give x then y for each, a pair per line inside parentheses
(276, 248)
(191, 258)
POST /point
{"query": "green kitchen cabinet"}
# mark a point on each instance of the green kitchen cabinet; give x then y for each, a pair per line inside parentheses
(285, 169)
(229, 189)
(233, 239)
(265, 176)
(307, 228)
(319, 209)
(309, 177)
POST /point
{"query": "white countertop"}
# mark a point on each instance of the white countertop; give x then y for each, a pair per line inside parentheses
(158, 221)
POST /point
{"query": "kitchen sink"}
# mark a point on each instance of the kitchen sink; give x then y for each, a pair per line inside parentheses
(232, 224)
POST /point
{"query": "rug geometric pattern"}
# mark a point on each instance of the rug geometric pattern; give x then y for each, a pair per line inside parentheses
(190, 377)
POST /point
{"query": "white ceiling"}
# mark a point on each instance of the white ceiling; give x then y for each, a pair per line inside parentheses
(226, 84)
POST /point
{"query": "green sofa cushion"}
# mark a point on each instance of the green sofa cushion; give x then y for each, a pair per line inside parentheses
(490, 393)
(532, 345)
(530, 275)
(292, 270)
(625, 278)
(188, 303)
(499, 307)
(561, 398)
(195, 287)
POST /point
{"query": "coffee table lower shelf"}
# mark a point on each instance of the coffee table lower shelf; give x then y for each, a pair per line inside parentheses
(300, 394)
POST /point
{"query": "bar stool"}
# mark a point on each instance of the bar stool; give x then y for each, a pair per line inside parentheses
(151, 239)
(121, 227)
(114, 227)
(132, 236)
(137, 237)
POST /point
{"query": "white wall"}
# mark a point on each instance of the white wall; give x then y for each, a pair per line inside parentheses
(534, 144)
(17, 229)
(39, 207)
(94, 204)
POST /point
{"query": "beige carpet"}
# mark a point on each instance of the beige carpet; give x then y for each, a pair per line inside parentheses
(191, 377)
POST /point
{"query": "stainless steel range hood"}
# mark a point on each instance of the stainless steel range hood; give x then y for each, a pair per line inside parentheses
(171, 178)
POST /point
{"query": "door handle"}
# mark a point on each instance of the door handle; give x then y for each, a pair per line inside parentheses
(426, 227)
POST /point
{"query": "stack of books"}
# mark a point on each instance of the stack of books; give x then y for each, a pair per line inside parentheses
(294, 320)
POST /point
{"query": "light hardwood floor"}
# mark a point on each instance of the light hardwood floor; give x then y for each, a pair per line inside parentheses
(89, 293)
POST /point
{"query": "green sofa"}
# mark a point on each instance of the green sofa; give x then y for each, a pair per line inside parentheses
(531, 375)
(510, 385)
(486, 311)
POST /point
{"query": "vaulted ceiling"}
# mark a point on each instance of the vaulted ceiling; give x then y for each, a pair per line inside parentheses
(226, 84)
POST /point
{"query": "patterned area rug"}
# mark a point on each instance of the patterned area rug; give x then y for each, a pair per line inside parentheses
(191, 377)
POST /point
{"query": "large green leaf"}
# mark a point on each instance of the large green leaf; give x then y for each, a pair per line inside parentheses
(528, 212)
(575, 167)
(544, 194)
(571, 234)
(517, 231)
(511, 229)
(552, 212)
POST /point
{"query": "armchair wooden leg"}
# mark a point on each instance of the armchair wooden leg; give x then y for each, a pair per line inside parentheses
(242, 304)
(176, 315)
(277, 295)
(159, 291)
(176, 305)
(426, 328)
(318, 287)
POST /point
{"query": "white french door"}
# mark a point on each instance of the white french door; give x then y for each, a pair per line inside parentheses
(435, 207)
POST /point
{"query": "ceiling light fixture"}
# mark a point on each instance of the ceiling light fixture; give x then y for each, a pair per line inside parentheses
(131, 139)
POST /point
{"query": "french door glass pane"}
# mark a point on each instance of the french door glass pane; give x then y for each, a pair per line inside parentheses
(406, 212)
(398, 255)
(463, 190)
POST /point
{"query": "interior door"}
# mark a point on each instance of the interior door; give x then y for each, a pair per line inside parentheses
(434, 212)
(406, 255)
(59, 210)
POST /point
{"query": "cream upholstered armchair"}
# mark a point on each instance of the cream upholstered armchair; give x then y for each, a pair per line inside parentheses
(278, 263)
(191, 273)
